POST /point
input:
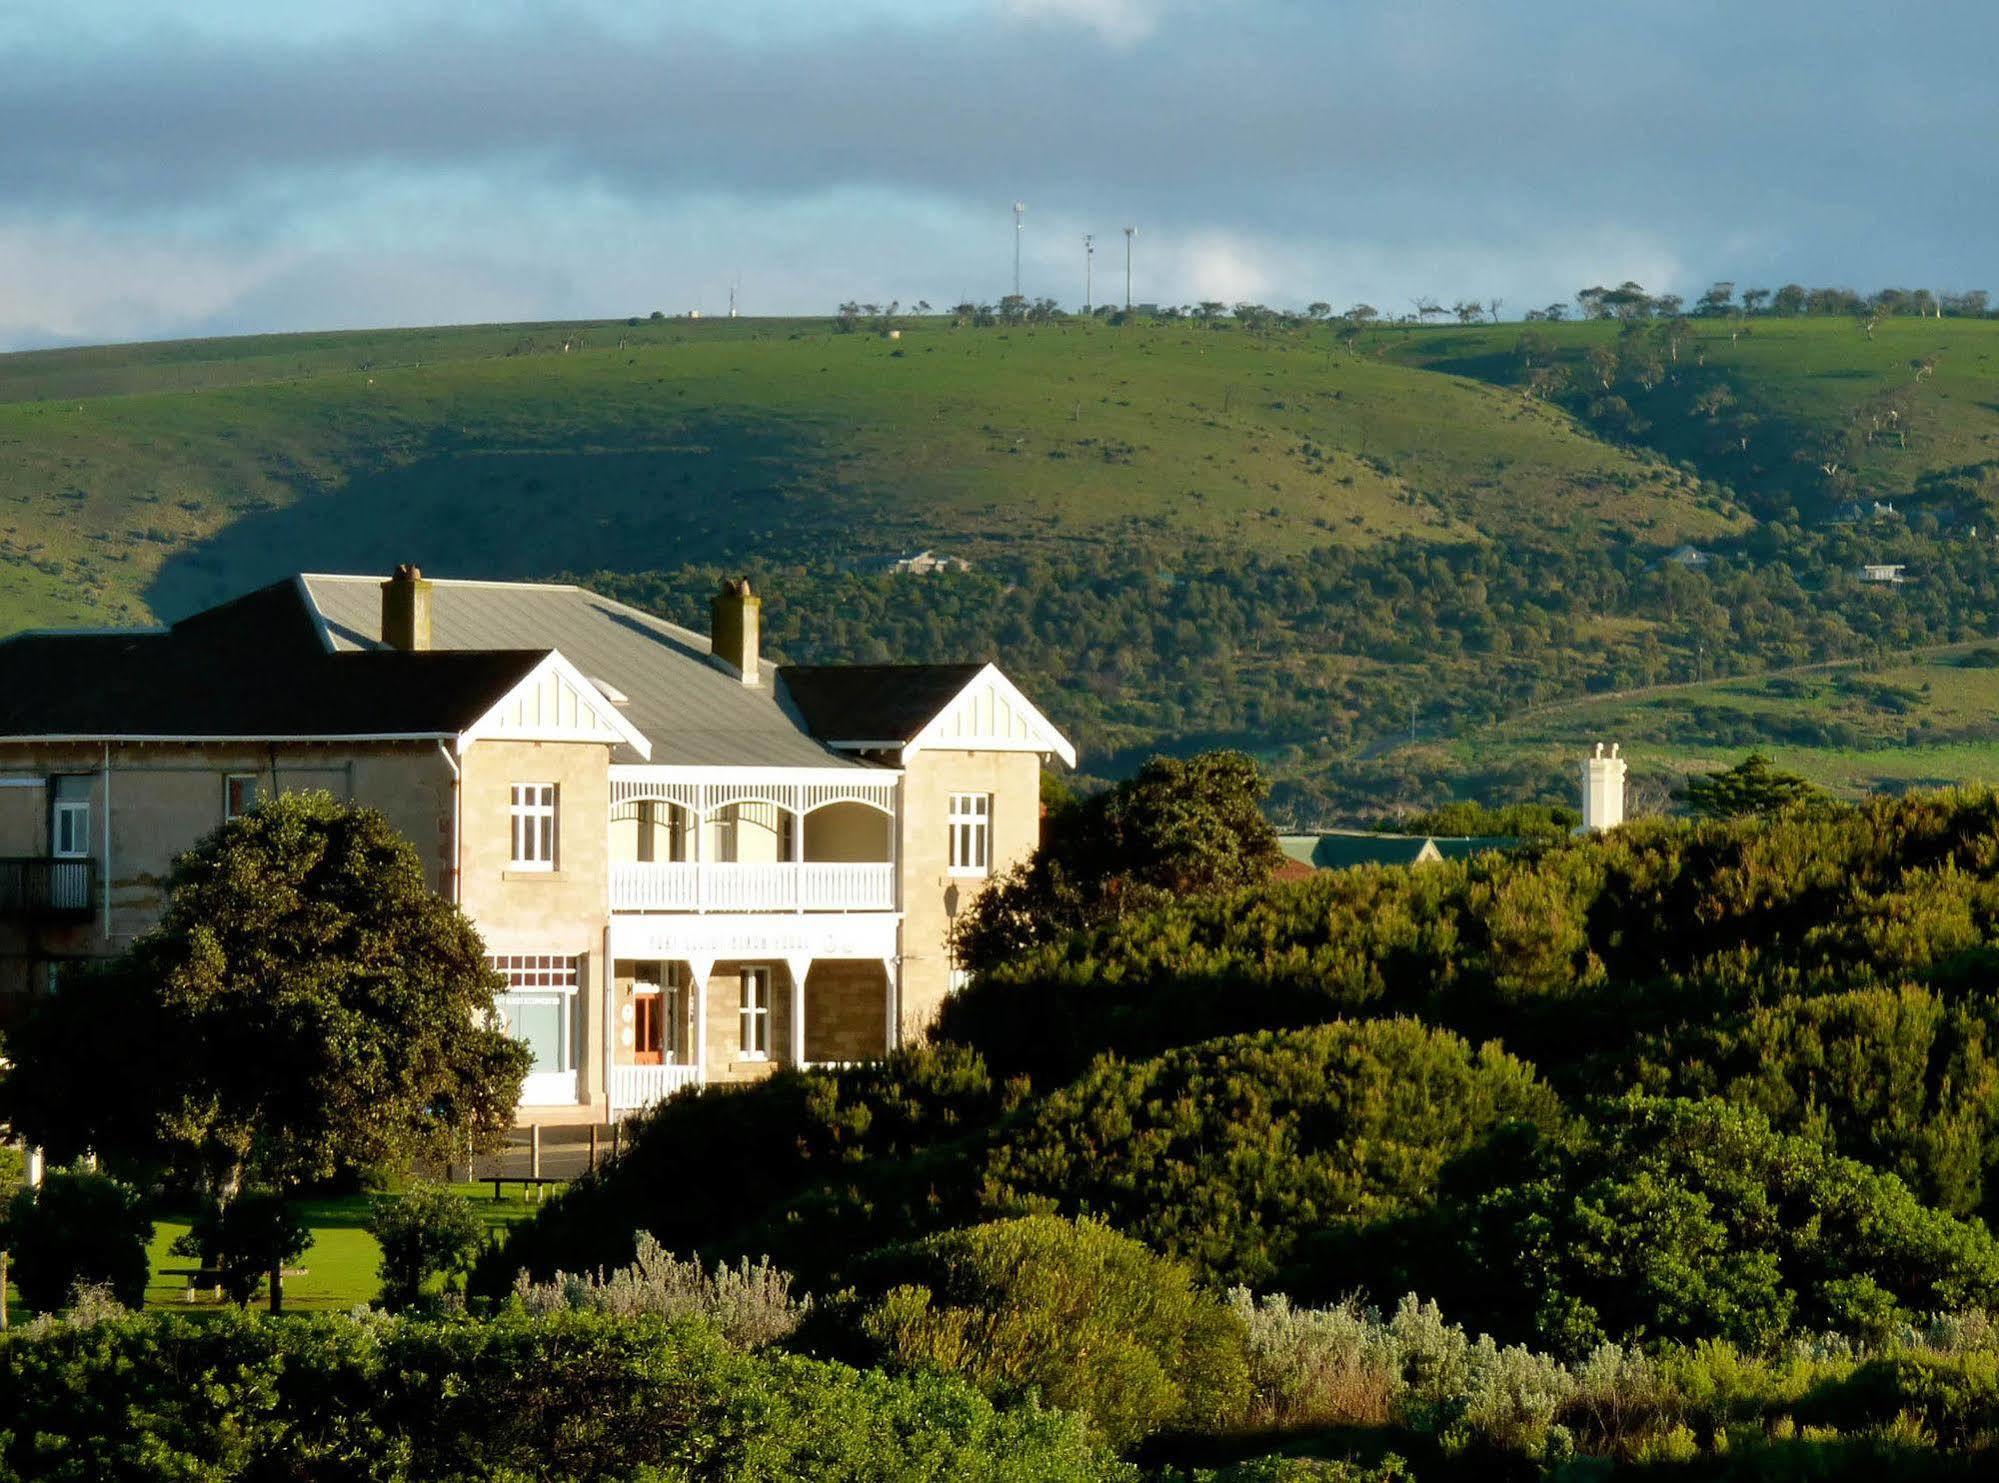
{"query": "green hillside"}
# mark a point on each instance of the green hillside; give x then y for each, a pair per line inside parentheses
(154, 479)
(1383, 561)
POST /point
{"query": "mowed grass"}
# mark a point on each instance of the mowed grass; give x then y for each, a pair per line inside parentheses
(341, 1265)
(147, 481)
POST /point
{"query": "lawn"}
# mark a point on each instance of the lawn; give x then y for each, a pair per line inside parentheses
(340, 1266)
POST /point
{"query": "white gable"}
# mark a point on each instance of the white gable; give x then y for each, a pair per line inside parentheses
(991, 715)
(556, 703)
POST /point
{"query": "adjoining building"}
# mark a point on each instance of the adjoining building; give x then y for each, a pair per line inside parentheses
(690, 866)
(1341, 849)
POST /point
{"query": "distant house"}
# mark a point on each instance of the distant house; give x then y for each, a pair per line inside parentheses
(1884, 571)
(1345, 848)
(925, 562)
(1884, 507)
(1690, 557)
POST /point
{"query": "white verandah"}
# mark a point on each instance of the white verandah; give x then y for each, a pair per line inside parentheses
(762, 869)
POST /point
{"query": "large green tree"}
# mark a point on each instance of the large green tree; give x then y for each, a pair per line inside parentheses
(1753, 786)
(1179, 828)
(306, 1005)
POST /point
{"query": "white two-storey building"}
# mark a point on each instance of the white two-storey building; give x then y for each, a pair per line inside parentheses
(691, 866)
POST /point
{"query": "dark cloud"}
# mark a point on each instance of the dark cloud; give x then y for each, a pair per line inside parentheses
(1774, 139)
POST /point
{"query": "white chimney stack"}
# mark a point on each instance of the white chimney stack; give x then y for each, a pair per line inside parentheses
(1603, 790)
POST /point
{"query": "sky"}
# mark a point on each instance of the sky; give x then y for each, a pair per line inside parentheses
(190, 167)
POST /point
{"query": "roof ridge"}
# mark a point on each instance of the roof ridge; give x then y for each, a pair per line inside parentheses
(449, 581)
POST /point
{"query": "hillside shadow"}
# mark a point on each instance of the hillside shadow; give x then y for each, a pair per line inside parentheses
(714, 489)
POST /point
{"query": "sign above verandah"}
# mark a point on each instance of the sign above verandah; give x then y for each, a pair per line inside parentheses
(728, 936)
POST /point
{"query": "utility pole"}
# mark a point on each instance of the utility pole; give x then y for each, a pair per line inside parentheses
(1089, 267)
(1018, 208)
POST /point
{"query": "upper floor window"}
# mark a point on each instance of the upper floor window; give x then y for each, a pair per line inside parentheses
(241, 792)
(971, 821)
(69, 818)
(533, 816)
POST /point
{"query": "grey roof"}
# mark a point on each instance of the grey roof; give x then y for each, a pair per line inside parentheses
(694, 712)
(251, 668)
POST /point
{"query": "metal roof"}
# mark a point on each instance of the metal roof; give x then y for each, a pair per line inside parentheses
(694, 712)
(873, 702)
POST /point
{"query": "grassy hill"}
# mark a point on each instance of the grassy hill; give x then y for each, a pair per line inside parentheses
(154, 479)
(1185, 535)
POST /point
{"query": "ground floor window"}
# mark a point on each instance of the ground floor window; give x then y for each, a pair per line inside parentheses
(756, 1014)
(538, 1006)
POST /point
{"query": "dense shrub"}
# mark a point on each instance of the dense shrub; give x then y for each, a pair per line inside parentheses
(1954, 1395)
(576, 1397)
(78, 1228)
(1681, 1220)
(1573, 953)
(1226, 1154)
(426, 1233)
(751, 1304)
(1899, 1078)
(732, 1171)
(1084, 1318)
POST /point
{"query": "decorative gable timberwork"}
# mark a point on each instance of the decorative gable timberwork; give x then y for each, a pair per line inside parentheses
(555, 702)
(991, 715)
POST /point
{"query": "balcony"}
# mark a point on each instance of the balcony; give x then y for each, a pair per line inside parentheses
(42, 888)
(704, 886)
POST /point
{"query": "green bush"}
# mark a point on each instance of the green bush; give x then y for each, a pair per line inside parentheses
(1955, 1396)
(1074, 1313)
(1227, 1154)
(1678, 1220)
(807, 1167)
(404, 1400)
(78, 1228)
(1574, 953)
(426, 1232)
(1900, 1078)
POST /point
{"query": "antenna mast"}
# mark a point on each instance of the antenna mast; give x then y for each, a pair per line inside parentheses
(1129, 233)
(1018, 208)
(1089, 268)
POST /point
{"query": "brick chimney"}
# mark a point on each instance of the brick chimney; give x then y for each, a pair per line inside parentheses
(734, 618)
(406, 609)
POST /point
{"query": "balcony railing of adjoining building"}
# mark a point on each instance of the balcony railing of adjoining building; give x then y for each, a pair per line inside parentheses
(48, 887)
(634, 1088)
(705, 885)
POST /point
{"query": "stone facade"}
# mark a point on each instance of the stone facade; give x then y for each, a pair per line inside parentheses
(932, 894)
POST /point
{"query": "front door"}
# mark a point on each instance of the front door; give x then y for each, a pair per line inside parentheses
(649, 1038)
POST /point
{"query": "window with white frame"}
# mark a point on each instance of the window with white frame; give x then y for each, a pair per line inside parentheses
(532, 813)
(538, 1007)
(756, 1014)
(69, 818)
(971, 821)
(241, 792)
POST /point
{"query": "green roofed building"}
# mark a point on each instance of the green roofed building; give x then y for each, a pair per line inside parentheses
(1345, 848)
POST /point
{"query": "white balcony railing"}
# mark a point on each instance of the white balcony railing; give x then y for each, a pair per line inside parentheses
(636, 1087)
(702, 885)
